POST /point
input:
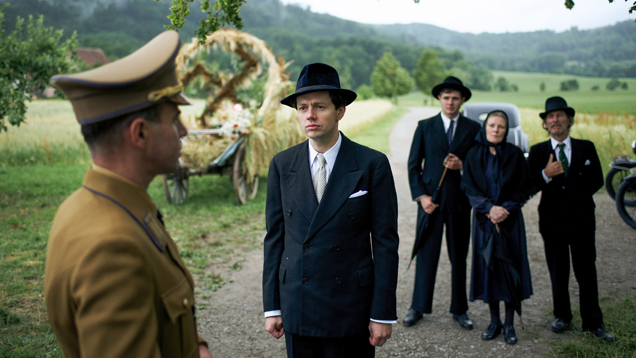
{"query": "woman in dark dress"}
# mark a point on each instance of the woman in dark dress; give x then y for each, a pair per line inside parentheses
(497, 182)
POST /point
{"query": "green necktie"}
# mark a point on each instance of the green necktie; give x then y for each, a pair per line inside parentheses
(563, 158)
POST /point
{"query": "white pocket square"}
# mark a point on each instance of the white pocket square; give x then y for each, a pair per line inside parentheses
(587, 162)
(357, 194)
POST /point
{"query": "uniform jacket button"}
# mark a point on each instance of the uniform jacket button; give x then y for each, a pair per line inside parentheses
(352, 216)
(185, 302)
(338, 280)
(305, 280)
(289, 213)
(336, 247)
(306, 247)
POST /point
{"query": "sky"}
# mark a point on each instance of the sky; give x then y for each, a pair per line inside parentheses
(478, 16)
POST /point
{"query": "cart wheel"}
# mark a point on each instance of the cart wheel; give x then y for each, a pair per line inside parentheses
(627, 192)
(613, 180)
(244, 191)
(176, 186)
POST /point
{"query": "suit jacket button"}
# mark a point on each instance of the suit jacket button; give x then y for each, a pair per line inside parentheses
(336, 247)
(306, 247)
(288, 212)
(305, 280)
(338, 280)
(352, 216)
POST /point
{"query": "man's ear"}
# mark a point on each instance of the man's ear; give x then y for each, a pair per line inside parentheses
(137, 132)
(340, 112)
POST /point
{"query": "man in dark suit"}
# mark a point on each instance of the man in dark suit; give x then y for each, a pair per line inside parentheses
(330, 270)
(442, 142)
(568, 172)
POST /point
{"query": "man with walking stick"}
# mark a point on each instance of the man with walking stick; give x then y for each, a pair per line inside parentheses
(441, 142)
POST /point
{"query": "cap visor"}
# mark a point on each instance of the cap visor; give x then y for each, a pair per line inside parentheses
(180, 99)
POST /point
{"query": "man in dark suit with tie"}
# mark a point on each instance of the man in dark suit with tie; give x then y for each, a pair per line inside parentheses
(568, 172)
(442, 142)
(330, 270)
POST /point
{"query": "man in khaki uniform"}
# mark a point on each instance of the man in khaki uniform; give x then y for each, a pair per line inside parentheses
(115, 284)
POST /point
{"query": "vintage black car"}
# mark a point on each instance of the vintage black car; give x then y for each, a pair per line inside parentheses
(477, 111)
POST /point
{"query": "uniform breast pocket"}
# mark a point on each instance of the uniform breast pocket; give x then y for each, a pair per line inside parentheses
(178, 331)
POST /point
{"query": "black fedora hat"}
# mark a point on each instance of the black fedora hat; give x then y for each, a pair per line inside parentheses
(318, 77)
(554, 104)
(452, 83)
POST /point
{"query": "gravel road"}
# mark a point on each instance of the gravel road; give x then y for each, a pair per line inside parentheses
(232, 318)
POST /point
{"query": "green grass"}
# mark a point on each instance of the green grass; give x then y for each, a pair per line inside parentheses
(583, 100)
(619, 315)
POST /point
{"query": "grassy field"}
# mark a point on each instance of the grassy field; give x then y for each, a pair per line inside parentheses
(530, 96)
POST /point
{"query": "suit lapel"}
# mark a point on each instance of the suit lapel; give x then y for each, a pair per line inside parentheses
(439, 132)
(300, 183)
(576, 156)
(342, 181)
(460, 133)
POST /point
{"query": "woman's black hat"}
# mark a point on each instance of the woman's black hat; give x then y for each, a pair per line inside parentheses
(318, 77)
(452, 83)
(555, 104)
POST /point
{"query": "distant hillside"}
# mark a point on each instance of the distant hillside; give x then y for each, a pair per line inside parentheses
(607, 51)
(296, 33)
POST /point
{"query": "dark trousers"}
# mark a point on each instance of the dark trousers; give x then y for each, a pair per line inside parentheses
(582, 247)
(457, 241)
(322, 347)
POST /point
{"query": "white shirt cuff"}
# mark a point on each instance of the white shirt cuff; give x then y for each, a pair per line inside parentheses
(545, 177)
(385, 322)
(273, 313)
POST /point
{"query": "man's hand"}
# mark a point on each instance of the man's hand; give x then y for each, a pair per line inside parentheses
(498, 214)
(379, 333)
(453, 162)
(427, 204)
(553, 168)
(274, 325)
(204, 352)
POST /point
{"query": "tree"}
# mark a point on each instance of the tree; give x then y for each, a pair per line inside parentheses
(222, 12)
(429, 72)
(502, 84)
(31, 54)
(570, 85)
(613, 84)
(389, 79)
(570, 4)
(542, 86)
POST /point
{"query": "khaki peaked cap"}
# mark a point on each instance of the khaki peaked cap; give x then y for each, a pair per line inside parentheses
(134, 82)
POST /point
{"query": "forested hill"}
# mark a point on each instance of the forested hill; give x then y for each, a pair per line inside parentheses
(606, 51)
(120, 26)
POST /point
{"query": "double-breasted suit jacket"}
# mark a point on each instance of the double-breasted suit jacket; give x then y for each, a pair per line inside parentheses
(566, 202)
(115, 284)
(431, 146)
(331, 267)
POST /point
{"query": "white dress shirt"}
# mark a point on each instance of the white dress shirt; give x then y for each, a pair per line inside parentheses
(568, 153)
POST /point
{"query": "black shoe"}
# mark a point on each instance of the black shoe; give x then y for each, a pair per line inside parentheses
(464, 321)
(510, 336)
(493, 331)
(559, 325)
(411, 318)
(601, 333)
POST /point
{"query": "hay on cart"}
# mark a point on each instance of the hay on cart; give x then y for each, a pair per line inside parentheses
(260, 120)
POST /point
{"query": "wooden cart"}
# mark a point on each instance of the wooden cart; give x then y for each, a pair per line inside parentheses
(230, 162)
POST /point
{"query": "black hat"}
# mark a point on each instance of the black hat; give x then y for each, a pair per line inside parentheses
(452, 83)
(319, 77)
(555, 104)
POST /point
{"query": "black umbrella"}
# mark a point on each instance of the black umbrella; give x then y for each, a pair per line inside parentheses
(422, 222)
(500, 262)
